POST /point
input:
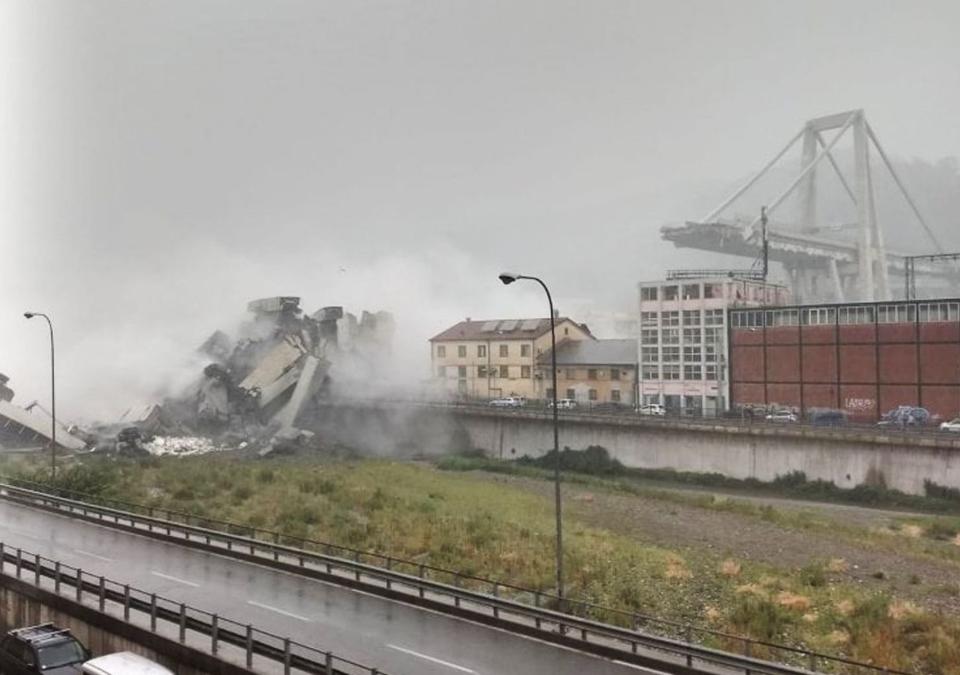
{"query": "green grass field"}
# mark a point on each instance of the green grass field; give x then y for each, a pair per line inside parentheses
(481, 526)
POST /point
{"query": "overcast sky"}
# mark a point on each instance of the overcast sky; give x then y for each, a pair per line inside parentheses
(162, 162)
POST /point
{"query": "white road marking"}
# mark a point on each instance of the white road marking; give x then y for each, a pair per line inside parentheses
(431, 658)
(92, 555)
(277, 610)
(176, 579)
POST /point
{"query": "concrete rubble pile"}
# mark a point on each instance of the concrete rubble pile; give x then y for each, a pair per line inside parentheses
(257, 385)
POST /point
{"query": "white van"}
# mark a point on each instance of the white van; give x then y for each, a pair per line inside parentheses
(123, 663)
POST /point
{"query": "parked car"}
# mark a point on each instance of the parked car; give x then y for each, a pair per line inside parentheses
(827, 417)
(42, 649)
(652, 409)
(563, 404)
(508, 402)
(123, 663)
(952, 425)
(781, 416)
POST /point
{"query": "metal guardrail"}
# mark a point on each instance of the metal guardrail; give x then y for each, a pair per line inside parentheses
(179, 617)
(528, 611)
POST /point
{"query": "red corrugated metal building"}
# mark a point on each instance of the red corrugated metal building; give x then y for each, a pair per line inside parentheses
(864, 358)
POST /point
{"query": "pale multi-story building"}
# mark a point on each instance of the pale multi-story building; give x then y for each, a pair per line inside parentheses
(497, 357)
(683, 338)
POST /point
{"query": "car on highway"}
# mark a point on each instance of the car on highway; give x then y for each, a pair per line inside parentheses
(508, 402)
(905, 416)
(43, 648)
(123, 663)
(952, 425)
(652, 409)
(563, 404)
(780, 416)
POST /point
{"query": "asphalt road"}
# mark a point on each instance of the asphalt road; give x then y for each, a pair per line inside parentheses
(399, 638)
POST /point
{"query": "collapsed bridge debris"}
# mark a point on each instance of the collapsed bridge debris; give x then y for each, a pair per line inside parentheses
(261, 381)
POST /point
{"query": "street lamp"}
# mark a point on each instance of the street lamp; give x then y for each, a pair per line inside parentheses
(53, 398)
(508, 278)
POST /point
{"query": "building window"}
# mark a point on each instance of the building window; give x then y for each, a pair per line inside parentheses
(713, 317)
(481, 350)
(648, 293)
(896, 313)
(691, 335)
(670, 319)
(591, 373)
(615, 395)
(669, 292)
(525, 372)
(691, 291)
(462, 386)
(746, 318)
(648, 319)
(939, 311)
(524, 350)
(671, 372)
(782, 317)
(441, 351)
(819, 316)
(711, 291)
(710, 371)
(712, 336)
(571, 394)
(481, 371)
(648, 355)
(441, 371)
(461, 371)
(691, 317)
(710, 352)
(650, 373)
(692, 372)
(649, 336)
(855, 315)
(671, 336)
(614, 373)
(549, 393)
(692, 354)
(670, 354)
(462, 351)
(592, 394)
(505, 371)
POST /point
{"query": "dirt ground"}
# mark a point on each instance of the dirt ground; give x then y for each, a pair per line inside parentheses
(870, 560)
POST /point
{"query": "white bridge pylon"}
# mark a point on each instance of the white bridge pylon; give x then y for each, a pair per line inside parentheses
(855, 273)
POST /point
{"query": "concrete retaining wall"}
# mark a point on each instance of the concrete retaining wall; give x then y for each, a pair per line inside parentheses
(847, 457)
(763, 456)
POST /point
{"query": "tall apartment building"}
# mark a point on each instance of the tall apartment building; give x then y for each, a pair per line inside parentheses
(498, 357)
(683, 338)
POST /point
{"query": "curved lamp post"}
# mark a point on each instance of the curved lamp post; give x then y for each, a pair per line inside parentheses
(53, 398)
(508, 278)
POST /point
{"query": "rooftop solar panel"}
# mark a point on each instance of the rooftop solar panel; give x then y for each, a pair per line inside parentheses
(509, 325)
(490, 325)
(530, 324)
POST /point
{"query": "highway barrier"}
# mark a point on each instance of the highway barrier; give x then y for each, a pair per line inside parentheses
(175, 619)
(529, 612)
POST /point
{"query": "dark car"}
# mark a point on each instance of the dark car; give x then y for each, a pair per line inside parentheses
(41, 649)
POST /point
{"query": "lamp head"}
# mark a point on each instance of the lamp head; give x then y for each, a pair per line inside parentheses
(29, 315)
(508, 278)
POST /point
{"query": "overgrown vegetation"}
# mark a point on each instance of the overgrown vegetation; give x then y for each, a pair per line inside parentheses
(488, 528)
(596, 461)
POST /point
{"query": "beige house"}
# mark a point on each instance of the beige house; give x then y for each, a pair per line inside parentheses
(498, 357)
(594, 372)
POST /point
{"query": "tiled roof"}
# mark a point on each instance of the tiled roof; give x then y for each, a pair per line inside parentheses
(500, 329)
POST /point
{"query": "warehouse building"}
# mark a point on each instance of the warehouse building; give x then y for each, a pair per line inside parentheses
(864, 358)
